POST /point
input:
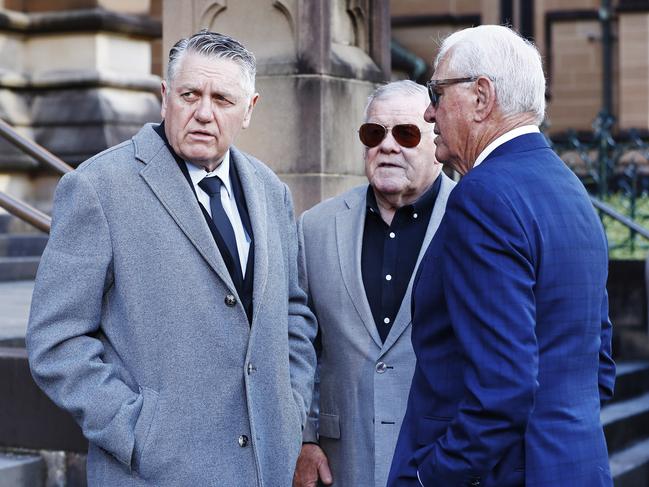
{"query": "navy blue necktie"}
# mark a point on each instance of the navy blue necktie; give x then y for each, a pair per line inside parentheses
(212, 186)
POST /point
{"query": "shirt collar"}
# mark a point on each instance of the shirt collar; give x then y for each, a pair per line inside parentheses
(197, 173)
(506, 137)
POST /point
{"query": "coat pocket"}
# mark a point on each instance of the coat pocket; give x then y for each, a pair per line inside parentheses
(329, 426)
(144, 427)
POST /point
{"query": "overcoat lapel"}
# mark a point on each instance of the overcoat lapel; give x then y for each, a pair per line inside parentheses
(349, 238)
(255, 194)
(403, 318)
(163, 176)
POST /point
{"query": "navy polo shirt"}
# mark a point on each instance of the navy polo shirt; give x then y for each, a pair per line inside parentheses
(390, 252)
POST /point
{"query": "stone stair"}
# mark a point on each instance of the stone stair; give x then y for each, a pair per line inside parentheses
(22, 470)
(626, 425)
(20, 251)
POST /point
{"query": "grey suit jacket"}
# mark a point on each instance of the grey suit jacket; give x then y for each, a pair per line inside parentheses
(130, 329)
(363, 383)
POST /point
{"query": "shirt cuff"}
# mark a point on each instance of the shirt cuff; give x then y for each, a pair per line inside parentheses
(419, 478)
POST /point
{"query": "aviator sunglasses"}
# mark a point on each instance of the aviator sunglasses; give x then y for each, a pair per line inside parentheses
(372, 134)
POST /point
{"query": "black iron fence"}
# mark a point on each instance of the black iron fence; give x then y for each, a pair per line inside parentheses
(615, 170)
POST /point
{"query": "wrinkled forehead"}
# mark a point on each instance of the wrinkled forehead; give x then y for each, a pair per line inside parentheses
(195, 68)
(444, 69)
(398, 109)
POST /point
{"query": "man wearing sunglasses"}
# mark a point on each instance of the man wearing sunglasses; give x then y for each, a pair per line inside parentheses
(358, 254)
(510, 311)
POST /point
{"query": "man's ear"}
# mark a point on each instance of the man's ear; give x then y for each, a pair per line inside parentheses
(248, 115)
(163, 93)
(485, 98)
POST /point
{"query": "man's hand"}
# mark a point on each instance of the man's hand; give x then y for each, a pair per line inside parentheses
(311, 465)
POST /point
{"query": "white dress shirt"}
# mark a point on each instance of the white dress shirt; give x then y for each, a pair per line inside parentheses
(506, 137)
(227, 200)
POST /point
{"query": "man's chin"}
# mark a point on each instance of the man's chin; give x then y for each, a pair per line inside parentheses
(388, 189)
(441, 154)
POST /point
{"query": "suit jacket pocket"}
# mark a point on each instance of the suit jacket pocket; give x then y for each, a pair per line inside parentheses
(430, 428)
(329, 426)
(145, 425)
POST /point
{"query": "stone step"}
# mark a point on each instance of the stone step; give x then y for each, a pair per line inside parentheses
(18, 268)
(10, 224)
(22, 245)
(5, 220)
(630, 467)
(626, 422)
(29, 419)
(15, 301)
(632, 379)
(21, 471)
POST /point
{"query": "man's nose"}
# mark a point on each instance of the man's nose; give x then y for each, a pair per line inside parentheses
(429, 114)
(204, 112)
(389, 143)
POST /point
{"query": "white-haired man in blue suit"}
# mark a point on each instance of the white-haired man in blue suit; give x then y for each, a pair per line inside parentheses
(510, 310)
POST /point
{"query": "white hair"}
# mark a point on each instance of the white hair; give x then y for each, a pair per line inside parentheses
(215, 46)
(403, 88)
(510, 61)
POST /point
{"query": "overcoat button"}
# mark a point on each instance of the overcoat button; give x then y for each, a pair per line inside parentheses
(243, 441)
(381, 367)
(230, 300)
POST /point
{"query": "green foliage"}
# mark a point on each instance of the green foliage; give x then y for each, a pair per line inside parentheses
(622, 242)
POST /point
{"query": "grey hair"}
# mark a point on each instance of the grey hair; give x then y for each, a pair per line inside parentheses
(512, 62)
(403, 88)
(216, 46)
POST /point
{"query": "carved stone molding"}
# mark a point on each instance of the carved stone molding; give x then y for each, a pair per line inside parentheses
(288, 9)
(358, 11)
(210, 12)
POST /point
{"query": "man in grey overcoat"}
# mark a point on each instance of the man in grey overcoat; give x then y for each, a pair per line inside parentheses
(359, 253)
(167, 316)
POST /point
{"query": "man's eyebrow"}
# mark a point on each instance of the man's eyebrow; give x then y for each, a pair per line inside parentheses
(187, 87)
(224, 93)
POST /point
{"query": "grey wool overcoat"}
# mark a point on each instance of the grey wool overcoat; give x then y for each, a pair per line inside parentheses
(131, 332)
(363, 382)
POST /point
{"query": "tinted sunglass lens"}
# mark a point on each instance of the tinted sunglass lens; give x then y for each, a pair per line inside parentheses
(407, 135)
(371, 134)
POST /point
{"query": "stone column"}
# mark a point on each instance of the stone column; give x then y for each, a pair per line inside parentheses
(633, 38)
(317, 63)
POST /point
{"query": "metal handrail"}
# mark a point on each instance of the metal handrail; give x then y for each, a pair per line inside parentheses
(624, 220)
(38, 152)
(19, 208)
(26, 212)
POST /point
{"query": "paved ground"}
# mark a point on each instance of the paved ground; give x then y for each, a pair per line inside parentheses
(15, 299)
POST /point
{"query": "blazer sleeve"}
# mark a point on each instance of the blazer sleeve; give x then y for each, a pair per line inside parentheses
(606, 373)
(488, 283)
(310, 432)
(65, 354)
(302, 325)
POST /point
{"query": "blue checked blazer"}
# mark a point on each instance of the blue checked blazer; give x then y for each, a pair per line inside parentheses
(511, 333)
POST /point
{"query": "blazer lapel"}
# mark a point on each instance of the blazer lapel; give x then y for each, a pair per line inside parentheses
(255, 196)
(349, 238)
(163, 176)
(403, 318)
